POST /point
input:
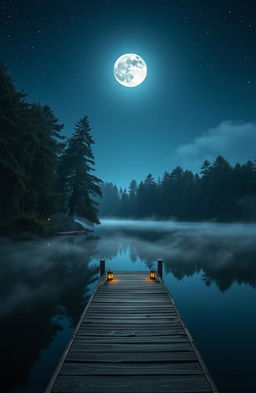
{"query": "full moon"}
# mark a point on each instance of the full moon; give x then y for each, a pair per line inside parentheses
(130, 70)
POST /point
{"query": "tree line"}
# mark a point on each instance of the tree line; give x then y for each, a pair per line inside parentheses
(41, 171)
(219, 192)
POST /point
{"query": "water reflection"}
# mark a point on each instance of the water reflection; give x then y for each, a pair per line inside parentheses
(39, 282)
(45, 285)
(223, 253)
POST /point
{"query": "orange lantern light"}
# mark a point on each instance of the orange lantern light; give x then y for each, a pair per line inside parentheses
(152, 274)
(110, 275)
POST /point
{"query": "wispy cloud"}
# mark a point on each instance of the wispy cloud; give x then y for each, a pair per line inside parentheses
(235, 141)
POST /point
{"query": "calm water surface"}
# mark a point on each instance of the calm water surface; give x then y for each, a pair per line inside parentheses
(209, 268)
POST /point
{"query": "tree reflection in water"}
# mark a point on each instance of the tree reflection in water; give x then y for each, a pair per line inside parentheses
(223, 253)
(40, 281)
(46, 282)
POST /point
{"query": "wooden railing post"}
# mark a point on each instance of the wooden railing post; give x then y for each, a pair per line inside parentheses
(160, 267)
(102, 267)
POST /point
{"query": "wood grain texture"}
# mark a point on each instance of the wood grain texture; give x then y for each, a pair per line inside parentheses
(131, 325)
(130, 357)
(131, 339)
(135, 308)
(129, 347)
(82, 368)
(136, 384)
(122, 332)
(144, 321)
(147, 314)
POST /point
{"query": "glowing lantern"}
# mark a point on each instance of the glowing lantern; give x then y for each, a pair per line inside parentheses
(49, 219)
(152, 274)
(110, 275)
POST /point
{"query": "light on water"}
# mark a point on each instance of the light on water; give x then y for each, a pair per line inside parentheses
(209, 268)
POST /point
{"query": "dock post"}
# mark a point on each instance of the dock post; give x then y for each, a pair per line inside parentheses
(102, 267)
(160, 267)
(111, 322)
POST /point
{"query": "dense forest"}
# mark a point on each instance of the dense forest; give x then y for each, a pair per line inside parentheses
(45, 175)
(42, 172)
(220, 192)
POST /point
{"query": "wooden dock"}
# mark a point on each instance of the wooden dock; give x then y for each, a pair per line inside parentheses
(131, 338)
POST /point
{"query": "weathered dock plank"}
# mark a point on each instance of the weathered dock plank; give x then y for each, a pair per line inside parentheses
(131, 338)
(134, 384)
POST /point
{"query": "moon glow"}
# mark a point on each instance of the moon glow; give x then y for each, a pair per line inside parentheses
(130, 70)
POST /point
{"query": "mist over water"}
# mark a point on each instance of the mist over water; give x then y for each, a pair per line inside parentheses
(210, 269)
(222, 252)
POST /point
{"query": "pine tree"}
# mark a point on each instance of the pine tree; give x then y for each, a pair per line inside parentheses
(205, 169)
(133, 188)
(176, 191)
(110, 204)
(42, 171)
(220, 185)
(204, 191)
(147, 197)
(221, 192)
(124, 203)
(188, 196)
(79, 185)
(164, 195)
(16, 145)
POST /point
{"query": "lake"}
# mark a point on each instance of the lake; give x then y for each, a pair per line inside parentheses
(209, 268)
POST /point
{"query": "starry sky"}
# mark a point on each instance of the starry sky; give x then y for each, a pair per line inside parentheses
(199, 97)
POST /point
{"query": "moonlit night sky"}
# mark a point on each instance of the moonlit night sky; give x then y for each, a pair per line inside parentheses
(197, 101)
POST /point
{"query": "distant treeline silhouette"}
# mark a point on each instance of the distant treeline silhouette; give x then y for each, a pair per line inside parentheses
(220, 192)
(41, 171)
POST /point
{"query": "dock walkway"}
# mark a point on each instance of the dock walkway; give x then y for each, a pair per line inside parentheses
(131, 338)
